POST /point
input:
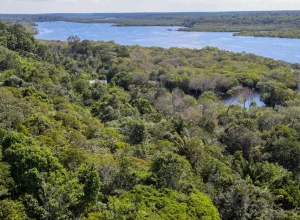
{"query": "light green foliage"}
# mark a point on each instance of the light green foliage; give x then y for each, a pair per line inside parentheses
(12, 210)
(147, 203)
(202, 207)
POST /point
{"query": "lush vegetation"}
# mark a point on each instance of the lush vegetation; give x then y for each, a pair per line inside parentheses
(96, 130)
(283, 24)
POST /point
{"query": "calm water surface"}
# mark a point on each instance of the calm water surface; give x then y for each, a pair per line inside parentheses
(236, 100)
(277, 48)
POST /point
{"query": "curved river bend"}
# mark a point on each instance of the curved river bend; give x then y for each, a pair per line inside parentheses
(276, 48)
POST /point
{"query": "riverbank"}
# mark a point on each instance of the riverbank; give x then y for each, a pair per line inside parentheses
(282, 24)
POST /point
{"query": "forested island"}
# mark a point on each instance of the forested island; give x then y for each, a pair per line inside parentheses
(96, 130)
(282, 24)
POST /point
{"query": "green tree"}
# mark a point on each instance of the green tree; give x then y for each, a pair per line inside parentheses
(12, 210)
(239, 138)
(92, 184)
(171, 171)
(275, 93)
(143, 106)
(136, 131)
(283, 147)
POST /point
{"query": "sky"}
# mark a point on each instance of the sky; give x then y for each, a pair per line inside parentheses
(91, 6)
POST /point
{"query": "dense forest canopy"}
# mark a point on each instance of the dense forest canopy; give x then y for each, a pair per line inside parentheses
(283, 24)
(96, 130)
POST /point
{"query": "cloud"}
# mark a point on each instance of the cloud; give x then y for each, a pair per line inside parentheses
(32, 0)
(48, 1)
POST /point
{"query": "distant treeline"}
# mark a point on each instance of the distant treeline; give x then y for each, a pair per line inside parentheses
(280, 33)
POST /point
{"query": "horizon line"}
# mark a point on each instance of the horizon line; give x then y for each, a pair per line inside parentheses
(149, 12)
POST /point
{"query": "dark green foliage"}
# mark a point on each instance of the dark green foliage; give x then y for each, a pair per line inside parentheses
(105, 112)
(239, 138)
(14, 81)
(13, 111)
(136, 131)
(16, 38)
(171, 171)
(284, 148)
(24, 161)
(207, 124)
(275, 93)
(279, 33)
(143, 106)
(8, 59)
(91, 180)
(122, 79)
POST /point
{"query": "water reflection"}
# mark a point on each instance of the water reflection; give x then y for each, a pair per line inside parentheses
(237, 100)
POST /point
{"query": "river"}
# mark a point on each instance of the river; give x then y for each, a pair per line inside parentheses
(276, 48)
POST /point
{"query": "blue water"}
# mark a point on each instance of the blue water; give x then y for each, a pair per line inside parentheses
(236, 100)
(277, 48)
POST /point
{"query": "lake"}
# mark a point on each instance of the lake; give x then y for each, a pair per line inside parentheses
(276, 48)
